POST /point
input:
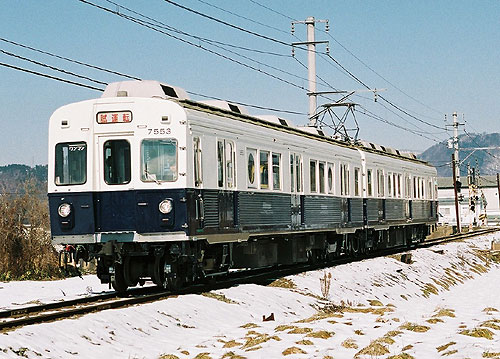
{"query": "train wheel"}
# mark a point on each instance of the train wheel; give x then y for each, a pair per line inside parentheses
(166, 275)
(118, 280)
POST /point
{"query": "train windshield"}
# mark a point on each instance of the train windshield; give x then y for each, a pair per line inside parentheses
(71, 163)
(159, 160)
(117, 162)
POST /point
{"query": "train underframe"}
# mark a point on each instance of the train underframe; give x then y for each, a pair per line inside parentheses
(171, 265)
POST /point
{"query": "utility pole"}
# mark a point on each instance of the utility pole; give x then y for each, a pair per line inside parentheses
(456, 166)
(498, 188)
(455, 187)
(311, 62)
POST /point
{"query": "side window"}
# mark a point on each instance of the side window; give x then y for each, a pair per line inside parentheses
(357, 182)
(344, 179)
(331, 177)
(298, 172)
(158, 160)
(220, 163)
(71, 163)
(312, 175)
(264, 169)
(380, 181)
(399, 185)
(389, 184)
(369, 182)
(292, 173)
(276, 171)
(321, 170)
(230, 164)
(198, 177)
(251, 168)
(117, 160)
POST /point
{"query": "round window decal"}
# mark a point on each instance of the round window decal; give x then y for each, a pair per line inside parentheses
(330, 179)
(251, 168)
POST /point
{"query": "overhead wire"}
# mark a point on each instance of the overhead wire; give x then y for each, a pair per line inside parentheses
(128, 76)
(50, 77)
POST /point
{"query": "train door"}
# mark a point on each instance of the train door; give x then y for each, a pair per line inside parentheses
(115, 205)
(296, 189)
(226, 182)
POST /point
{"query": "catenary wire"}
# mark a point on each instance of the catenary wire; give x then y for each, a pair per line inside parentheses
(50, 77)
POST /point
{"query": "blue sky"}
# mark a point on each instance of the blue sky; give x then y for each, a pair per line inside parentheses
(438, 56)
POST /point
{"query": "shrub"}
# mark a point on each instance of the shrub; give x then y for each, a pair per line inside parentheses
(26, 251)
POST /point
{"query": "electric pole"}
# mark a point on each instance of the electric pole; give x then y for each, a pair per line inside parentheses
(311, 62)
(456, 166)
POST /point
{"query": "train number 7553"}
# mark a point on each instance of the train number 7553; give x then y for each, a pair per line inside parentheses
(159, 131)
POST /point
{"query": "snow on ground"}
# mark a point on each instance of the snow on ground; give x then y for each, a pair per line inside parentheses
(446, 303)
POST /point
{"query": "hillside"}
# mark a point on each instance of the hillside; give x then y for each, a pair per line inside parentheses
(13, 176)
(488, 161)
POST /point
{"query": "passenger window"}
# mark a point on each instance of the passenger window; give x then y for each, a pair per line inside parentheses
(357, 191)
(276, 171)
(158, 160)
(220, 164)
(70, 163)
(264, 169)
(251, 154)
(292, 174)
(369, 182)
(312, 175)
(389, 184)
(116, 162)
(198, 177)
(380, 176)
(321, 168)
(298, 172)
(344, 179)
(331, 176)
(230, 160)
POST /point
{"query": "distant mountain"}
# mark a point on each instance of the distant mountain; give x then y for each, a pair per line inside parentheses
(488, 161)
(13, 176)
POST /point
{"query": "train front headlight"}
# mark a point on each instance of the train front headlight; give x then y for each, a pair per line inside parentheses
(166, 206)
(64, 210)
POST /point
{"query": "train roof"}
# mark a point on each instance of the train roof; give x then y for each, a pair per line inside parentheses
(156, 89)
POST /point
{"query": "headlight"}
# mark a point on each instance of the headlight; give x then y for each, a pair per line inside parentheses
(64, 210)
(165, 206)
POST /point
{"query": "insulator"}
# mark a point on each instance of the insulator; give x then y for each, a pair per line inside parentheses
(293, 51)
(327, 26)
(327, 49)
(293, 28)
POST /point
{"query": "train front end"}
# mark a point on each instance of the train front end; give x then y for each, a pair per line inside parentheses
(117, 182)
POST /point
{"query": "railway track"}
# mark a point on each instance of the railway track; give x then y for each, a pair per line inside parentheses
(20, 317)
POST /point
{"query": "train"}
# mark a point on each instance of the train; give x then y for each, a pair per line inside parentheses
(155, 186)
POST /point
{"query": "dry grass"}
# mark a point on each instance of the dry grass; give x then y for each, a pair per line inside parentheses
(203, 356)
(449, 352)
(283, 283)
(300, 331)
(220, 297)
(349, 344)
(429, 289)
(232, 355)
(375, 303)
(490, 310)
(283, 327)
(322, 334)
(305, 342)
(26, 250)
(414, 327)
(478, 333)
(494, 355)
(185, 352)
(434, 320)
(254, 339)
(293, 350)
(445, 346)
(401, 356)
(445, 313)
(493, 324)
(168, 356)
(249, 326)
(232, 344)
(359, 332)
(407, 347)
(375, 348)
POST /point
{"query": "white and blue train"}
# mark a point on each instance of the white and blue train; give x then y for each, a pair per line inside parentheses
(156, 186)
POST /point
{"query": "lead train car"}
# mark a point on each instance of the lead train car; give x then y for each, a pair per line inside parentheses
(156, 186)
